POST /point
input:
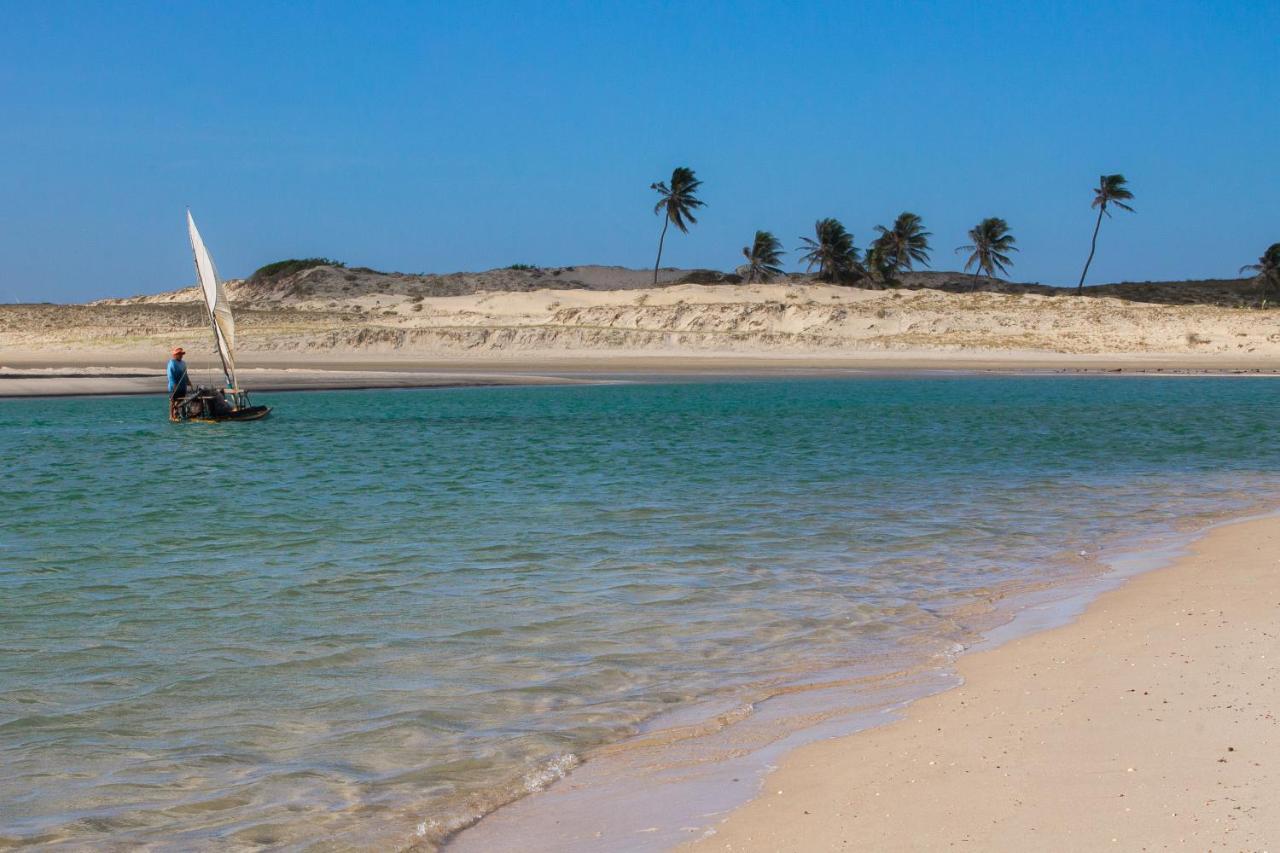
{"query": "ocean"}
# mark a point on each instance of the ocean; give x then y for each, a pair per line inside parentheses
(379, 615)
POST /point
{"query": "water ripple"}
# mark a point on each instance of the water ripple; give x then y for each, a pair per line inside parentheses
(385, 610)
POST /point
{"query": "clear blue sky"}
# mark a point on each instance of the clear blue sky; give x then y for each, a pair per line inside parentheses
(456, 136)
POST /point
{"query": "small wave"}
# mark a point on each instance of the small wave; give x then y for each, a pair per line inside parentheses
(553, 771)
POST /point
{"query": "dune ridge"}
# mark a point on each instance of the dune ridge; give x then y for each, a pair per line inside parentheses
(332, 311)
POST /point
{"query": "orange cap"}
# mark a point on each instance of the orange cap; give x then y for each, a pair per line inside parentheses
(177, 351)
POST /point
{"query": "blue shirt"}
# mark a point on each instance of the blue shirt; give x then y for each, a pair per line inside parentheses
(177, 376)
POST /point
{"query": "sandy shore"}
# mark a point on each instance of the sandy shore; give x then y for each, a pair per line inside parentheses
(34, 373)
(113, 381)
(1148, 723)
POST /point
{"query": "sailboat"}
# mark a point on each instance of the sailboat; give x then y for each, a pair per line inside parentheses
(231, 403)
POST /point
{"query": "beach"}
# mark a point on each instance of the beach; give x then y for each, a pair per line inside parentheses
(642, 427)
(1149, 722)
(92, 380)
(327, 327)
(80, 373)
(432, 429)
(700, 531)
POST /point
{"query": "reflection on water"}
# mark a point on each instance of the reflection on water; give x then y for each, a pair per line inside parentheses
(379, 612)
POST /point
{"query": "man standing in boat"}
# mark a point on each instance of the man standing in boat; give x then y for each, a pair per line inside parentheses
(178, 381)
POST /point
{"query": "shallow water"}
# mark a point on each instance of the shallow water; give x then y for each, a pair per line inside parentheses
(380, 612)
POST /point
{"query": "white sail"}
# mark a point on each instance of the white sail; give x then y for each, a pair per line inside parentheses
(215, 297)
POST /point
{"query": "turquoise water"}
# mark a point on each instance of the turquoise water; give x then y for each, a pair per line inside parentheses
(379, 614)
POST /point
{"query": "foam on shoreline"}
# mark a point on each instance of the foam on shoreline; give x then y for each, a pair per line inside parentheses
(685, 773)
(1116, 726)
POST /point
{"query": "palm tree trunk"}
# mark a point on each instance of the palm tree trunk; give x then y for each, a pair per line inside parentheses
(1092, 248)
(666, 220)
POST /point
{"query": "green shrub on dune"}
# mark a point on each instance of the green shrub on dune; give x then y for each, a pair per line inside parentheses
(280, 269)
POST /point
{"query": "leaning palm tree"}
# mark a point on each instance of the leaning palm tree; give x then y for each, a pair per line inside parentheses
(880, 267)
(901, 246)
(678, 203)
(990, 248)
(1268, 270)
(832, 252)
(1110, 190)
(764, 256)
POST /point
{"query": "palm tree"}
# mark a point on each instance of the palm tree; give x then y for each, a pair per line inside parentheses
(764, 256)
(1110, 190)
(879, 266)
(833, 252)
(991, 246)
(1268, 270)
(901, 246)
(678, 202)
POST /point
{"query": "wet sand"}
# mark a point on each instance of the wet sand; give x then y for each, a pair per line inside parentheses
(1151, 722)
(115, 381)
(75, 373)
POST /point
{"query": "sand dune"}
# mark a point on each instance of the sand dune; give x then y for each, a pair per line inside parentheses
(329, 313)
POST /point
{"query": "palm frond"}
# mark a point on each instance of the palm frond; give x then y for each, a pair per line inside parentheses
(832, 251)
(1268, 264)
(764, 256)
(902, 246)
(680, 199)
(990, 248)
(1112, 190)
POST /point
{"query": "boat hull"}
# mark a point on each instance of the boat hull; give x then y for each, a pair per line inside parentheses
(250, 413)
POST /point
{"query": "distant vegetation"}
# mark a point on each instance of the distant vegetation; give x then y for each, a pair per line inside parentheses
(293, 265)
(897, 249)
